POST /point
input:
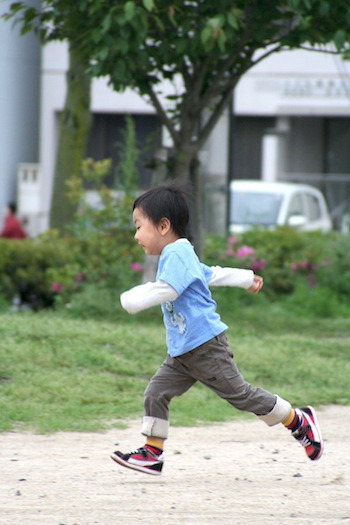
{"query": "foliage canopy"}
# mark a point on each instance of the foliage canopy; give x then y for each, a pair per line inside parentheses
(202, 48)
(197, 49)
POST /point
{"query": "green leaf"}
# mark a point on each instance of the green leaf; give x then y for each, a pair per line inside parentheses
(106, 24)
(29, 15)
(119, 69)
(103, 53)
(339, 39)
(222, 41)
(232, 20)
(159, 23)
(121, 46)
(216, 21)
(96, 35)
(129, 10)
(149, 4)
(181, 46)
(206, 35)
(324, 9)
(15, 7)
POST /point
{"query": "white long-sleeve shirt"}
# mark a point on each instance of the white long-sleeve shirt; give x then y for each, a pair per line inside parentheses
(155, 293)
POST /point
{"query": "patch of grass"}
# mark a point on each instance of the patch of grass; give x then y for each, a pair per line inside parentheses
(59, 373)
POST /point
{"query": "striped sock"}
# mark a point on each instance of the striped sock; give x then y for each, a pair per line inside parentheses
(155, 442)
(292, 421)
(156, 450)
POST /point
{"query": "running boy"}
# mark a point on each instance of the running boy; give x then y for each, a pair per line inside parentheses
(197, 346)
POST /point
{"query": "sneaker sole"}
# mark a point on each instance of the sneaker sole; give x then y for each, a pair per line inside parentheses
(311, 412)
(145, 470)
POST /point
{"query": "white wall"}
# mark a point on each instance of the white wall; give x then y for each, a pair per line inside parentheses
(19, 102)
(296, 83)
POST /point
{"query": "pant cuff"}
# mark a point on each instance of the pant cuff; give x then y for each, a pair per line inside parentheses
(280, 411)
(156, 427)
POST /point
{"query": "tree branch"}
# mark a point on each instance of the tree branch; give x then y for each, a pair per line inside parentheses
(168, 123)
(275, 49)
(325, 51)
(215, 114)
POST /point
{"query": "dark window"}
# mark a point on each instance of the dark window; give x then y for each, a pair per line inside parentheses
(247, 140)
(107, 132)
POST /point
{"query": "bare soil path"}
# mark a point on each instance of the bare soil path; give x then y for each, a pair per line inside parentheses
(239, 473)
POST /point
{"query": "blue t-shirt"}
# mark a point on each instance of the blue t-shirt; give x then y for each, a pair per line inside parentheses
(191, 319)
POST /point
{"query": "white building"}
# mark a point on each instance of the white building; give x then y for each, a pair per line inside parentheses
(293, 122)
(19, 104)
(290, 120)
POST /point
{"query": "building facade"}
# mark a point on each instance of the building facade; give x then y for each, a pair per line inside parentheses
(289, 120)
(293, 116)
(20, 64)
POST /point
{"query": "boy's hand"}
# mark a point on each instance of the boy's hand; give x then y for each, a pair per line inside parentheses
(257, 284)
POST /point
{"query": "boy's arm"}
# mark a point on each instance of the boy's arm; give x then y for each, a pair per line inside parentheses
(231, 277)
(146, 295)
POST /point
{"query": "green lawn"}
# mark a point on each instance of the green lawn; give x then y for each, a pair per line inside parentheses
(58, 373)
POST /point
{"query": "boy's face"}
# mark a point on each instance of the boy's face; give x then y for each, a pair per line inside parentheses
(148, 235)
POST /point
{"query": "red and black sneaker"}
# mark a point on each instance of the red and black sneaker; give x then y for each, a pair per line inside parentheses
(142, 459)
(308, 433)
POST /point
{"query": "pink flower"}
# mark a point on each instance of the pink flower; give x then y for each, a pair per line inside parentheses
(295, 266)
(56, 287)
(245, 251)
(232, 240)
(258, 265)
(80, 277)
(136, 267)
(229, 252)
(304, 265)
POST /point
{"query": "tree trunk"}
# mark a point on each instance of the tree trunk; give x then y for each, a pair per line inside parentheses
(185, 166)
(197, 211)
(74, 128)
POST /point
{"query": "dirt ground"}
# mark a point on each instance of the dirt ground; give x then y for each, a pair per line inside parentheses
(234, 473)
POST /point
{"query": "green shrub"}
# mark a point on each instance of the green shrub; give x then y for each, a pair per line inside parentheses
(50, 271)
(333, 269)
(84, 273)
(97, 257)
(92, 302)
(26, 266)
(288, 259)
(320, 302)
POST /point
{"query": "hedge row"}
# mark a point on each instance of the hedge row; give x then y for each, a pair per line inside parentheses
(286, 258)
(38, 273)
(50, 270)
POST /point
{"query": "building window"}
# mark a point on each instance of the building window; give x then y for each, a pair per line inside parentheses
(107, 132)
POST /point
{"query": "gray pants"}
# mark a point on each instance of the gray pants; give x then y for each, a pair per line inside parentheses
(211, 363)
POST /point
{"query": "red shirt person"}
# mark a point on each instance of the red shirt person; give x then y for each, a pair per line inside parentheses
(13, 228)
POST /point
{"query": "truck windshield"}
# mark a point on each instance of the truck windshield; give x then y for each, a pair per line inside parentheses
(259, 209)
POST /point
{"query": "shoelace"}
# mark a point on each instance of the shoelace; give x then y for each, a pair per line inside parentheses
(302, 436)
(140, 450)
(305, 442)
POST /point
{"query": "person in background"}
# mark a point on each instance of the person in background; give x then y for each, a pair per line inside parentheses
(12, 228)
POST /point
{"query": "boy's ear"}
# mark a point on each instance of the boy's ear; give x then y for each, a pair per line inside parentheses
(164, 225)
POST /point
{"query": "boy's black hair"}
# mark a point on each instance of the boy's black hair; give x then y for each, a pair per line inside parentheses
(12, 207)
(170, 201)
